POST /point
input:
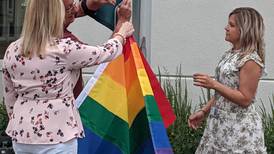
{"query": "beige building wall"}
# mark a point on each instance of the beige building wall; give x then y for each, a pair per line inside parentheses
(191, 33)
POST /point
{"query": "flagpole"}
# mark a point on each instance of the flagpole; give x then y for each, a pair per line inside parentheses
(141, 18)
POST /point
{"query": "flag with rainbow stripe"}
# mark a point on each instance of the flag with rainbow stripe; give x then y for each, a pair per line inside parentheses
(123, 108)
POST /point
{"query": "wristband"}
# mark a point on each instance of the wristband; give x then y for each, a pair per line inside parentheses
(119, 34)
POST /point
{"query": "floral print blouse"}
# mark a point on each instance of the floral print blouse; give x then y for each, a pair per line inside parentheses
(38, 91)
(232, 129)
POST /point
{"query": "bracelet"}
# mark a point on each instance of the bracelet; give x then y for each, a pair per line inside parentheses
(119, 34)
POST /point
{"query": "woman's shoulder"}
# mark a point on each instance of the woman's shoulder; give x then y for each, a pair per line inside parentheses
(253, 56)
(15, 43)
(13, 48)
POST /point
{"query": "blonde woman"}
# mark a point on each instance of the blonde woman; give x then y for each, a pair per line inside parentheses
(38, 80)
(233, 125)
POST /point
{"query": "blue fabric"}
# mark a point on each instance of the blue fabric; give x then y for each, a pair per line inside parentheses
(104, 15)
(159, 135)
(93, 144)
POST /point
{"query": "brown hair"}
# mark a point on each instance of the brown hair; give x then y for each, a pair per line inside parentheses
(251, 26)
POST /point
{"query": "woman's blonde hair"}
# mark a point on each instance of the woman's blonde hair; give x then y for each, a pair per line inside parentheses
(251, 26)
(42, 23)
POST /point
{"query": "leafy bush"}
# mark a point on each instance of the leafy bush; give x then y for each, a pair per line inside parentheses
(268, 124)
(182, 138)
(3, 119)
(5, 141)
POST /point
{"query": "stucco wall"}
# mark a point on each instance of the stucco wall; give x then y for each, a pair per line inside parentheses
(191, 33)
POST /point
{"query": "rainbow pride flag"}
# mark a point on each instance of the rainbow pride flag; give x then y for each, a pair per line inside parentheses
(123, 108)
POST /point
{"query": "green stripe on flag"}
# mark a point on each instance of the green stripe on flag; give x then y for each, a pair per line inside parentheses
(153, 113)
(105, 124)
(139, 131)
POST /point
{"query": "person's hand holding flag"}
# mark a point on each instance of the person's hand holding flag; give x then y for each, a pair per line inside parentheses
(124, 10)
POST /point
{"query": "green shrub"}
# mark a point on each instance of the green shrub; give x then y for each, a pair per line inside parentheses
(3, 119)
(182, 138)
(268, 124)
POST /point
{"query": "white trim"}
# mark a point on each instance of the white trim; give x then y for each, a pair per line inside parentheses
(90, 84)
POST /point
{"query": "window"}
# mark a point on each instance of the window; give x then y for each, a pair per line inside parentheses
(11, 4)
(11, 21)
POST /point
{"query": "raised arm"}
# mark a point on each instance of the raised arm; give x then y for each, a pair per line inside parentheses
(80, 55)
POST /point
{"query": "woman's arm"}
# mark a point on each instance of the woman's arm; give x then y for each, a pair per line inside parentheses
(79, 55)
(249, 78)
(10, 94)
(206, 108)
(195, 119)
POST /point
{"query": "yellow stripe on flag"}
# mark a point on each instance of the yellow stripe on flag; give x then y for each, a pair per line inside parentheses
(141, 72)
(144, 81)
(111, 95)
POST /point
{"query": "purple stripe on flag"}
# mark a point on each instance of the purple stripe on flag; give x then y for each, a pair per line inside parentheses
(164, 151)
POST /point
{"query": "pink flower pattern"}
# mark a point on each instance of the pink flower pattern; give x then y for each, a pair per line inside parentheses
(38, 91)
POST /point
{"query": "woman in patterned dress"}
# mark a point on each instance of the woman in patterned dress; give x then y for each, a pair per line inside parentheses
(39, 76)
(233, 125)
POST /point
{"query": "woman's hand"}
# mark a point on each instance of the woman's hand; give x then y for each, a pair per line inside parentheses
(195, 119)
(124, 11)
(123, 31)
(126, 29)
(203, 80)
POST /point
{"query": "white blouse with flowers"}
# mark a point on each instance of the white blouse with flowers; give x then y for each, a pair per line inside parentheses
(232, 129)
(38, 91)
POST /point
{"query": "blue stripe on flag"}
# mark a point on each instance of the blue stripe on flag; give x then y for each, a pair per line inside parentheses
(93, 144)
(159, 135)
